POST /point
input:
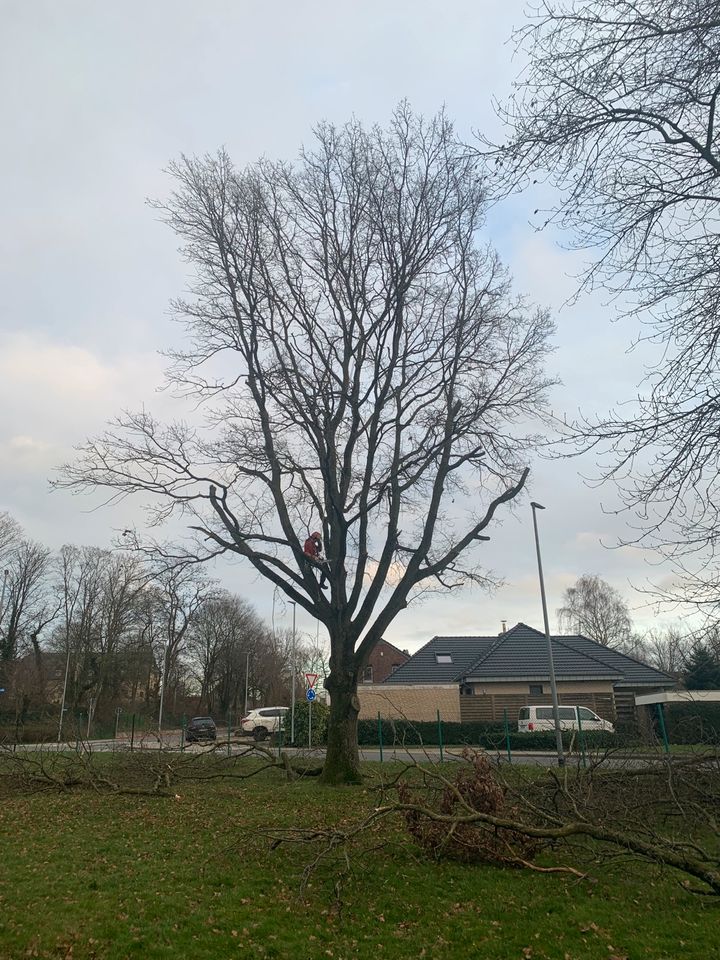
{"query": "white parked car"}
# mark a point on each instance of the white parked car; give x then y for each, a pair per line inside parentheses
(538, 718)
(264, 721)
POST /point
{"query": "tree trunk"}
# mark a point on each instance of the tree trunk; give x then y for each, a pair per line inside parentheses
(342, 760)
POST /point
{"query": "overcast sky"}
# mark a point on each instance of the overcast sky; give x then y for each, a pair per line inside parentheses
(97, 98)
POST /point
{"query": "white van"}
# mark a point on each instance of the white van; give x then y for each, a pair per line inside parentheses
(537, 718)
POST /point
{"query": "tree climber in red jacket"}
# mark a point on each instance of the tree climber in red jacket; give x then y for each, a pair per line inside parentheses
(313, 551)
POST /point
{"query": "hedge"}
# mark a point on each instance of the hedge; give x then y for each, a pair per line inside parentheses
(490, 736)
(693, 723)
(320, 714)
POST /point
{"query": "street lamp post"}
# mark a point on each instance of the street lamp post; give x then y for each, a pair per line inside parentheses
(247, 674)
(64, 693)
(292, 679)
(553, 684)
(162, 687)
(6, 573)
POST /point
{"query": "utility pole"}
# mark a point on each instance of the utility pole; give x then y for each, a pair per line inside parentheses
(292, 678)
(553, 684)
(91, 711)
(162, 686)
(64, 693)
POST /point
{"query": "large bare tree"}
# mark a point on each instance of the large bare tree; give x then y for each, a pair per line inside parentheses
(594, 608)
(618, 106)
(366, 373)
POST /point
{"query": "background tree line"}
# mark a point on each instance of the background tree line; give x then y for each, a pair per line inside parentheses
(105, 626)
(595, 609)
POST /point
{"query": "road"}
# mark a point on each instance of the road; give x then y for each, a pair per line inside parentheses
(172, 741)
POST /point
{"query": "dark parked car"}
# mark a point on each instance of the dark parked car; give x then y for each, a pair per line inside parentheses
(200, 728)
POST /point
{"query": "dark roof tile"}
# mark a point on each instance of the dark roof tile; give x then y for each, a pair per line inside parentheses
(521, 653)
(422, 667)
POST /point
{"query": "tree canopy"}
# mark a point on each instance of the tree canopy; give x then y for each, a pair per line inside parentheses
(365, 372)
(597, 610)
(618, 108)
(702, 669)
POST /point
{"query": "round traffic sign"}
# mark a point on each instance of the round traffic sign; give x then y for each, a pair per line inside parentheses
(310, 694)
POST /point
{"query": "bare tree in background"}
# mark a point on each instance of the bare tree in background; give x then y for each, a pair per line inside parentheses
(271, 669)
(178, 594)
(619, 107)
(227, 638)
(98, 594)
(208, 636)
(123, 579)
(366, 373)
(595, 609)
(666, 649)
(27, 608)
(79, 574)
(10, 534)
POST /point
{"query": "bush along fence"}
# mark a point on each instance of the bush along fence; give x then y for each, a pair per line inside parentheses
(691, 724)
(488, 736)
(681, 724)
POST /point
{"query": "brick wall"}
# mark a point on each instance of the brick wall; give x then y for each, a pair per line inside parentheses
(412, 701)
(383, 659)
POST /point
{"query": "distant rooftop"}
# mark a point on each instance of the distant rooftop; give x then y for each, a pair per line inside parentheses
(521, 654)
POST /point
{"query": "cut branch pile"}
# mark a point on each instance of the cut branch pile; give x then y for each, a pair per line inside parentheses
(474, 790)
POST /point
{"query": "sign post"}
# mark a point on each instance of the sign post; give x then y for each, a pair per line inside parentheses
(311, 679)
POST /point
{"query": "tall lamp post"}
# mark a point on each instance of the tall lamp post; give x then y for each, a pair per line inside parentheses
(292, 679)
(6, 573)
(64, 693)
(162, 686)
(553, 684)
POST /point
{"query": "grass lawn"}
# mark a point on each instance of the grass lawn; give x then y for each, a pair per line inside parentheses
(87, 875)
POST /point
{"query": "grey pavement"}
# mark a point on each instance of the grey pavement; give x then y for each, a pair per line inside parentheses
(172, 740)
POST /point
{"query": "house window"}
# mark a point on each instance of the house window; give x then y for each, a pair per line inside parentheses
(536, 689)
(443, 658)
(367, 674)
(395, 666)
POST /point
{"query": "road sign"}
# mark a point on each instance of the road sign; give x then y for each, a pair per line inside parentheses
(310, 694)
(311, 679)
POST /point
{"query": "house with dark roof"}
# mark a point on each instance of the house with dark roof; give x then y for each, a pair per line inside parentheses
(479, 678)
(385, 658)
